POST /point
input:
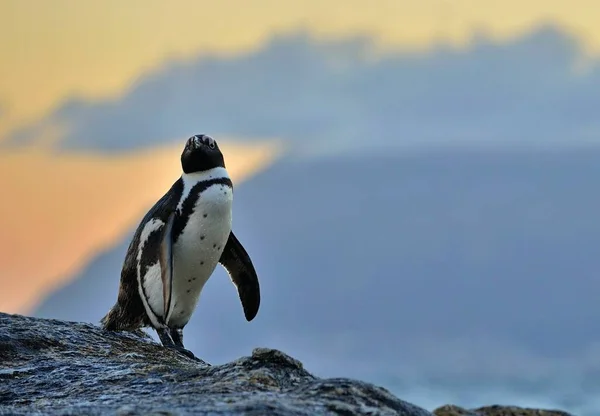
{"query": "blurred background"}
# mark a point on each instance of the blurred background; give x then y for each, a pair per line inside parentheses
(416, 182)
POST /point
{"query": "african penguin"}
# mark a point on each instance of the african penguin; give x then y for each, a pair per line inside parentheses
(176, 248)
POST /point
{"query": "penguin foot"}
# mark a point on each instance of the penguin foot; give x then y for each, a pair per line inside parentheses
(185, 352)
(165, 338)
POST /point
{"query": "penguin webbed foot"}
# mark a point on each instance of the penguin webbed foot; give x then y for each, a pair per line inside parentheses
(173, 338)
(185, 352)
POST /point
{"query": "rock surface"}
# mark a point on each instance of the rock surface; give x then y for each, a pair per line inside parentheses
(51, 367)
(451, 410)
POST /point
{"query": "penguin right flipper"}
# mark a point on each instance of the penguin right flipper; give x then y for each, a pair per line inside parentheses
(166, 264)
(238, 265)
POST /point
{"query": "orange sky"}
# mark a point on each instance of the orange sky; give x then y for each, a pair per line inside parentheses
(59, 211)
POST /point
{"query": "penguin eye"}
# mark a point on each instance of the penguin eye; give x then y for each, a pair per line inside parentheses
(211, 145)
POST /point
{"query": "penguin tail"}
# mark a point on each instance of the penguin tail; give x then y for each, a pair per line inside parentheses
(119, 318)
(111, 320)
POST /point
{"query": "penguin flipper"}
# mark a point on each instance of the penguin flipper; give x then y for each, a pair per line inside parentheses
(166, 264)
(238, 265)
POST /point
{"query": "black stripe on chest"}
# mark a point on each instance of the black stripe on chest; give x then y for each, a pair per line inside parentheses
(187, 208)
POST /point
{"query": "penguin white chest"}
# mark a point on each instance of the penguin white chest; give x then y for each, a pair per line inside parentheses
(198, 249)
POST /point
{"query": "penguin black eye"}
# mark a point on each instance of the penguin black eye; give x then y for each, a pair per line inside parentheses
(211, 145)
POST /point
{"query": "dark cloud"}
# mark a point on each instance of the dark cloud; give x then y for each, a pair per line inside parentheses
(523, 90)
(467, 265)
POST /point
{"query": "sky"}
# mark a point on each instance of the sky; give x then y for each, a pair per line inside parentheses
(52, 50)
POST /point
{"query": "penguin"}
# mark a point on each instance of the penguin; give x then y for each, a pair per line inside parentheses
(177, 246)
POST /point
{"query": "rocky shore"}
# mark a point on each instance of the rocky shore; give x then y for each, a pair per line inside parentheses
(51, 367)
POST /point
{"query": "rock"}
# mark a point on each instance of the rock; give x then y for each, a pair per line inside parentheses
(53, 367)
(451, 410)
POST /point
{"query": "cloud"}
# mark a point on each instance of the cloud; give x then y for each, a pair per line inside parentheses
(457, 264)
(525, 90)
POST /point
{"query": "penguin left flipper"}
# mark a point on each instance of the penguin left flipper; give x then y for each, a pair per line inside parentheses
(238, 265)
(166, 264)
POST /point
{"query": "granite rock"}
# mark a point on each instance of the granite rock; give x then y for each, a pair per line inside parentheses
(52, 367)
(496, 410)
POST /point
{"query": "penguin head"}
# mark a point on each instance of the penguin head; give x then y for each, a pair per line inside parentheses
(201, 153)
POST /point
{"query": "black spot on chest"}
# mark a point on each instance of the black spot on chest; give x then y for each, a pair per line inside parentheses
(187, 208)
